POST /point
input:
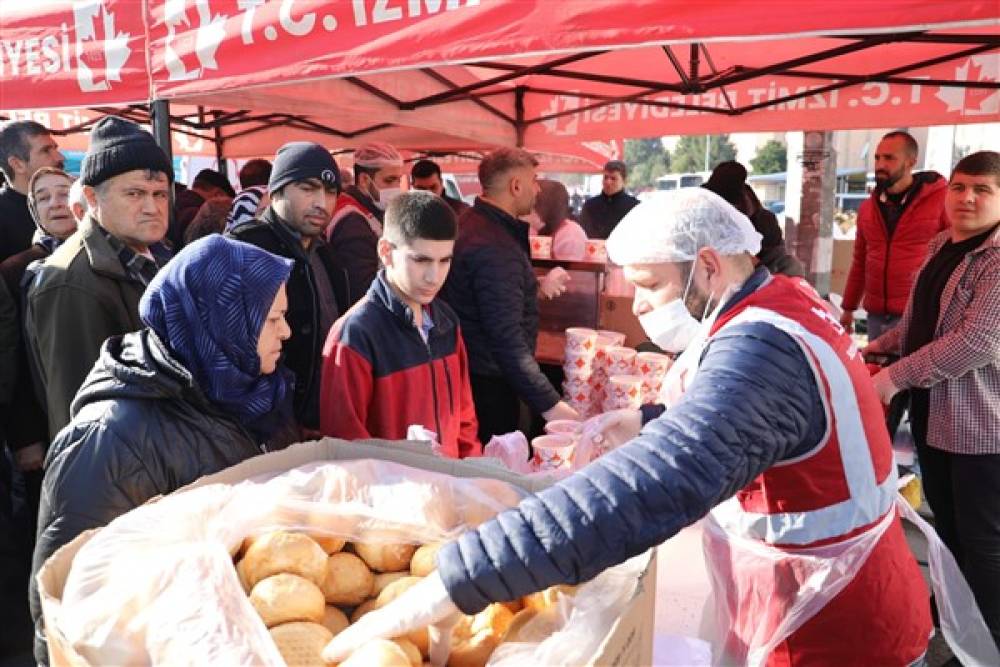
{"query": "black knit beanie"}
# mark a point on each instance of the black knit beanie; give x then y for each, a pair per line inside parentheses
(299, 160)
(117, 146)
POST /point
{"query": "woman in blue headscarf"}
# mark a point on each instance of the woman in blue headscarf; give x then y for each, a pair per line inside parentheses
(200, 389)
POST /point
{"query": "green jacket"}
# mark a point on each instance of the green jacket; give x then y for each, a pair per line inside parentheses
(81, 297)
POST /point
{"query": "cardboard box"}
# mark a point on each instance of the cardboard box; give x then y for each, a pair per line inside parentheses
(628, 642)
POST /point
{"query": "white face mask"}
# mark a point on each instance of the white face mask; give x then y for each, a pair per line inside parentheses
(671, 326)
(386, 195)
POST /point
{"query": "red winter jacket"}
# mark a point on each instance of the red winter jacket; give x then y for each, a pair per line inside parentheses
(379, 376)
(884, 267)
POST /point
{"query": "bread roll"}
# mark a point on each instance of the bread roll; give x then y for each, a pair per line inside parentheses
(334, 620)
(347, 581)
(378, 653)
(364, 608)
(284, 552)
(384, 579)
(424, 560)
(412, 652)
(328, 543)
(542, 600)
(241, 573)
(385, 557)
(284, 598)
(301, 644)
(476, 637)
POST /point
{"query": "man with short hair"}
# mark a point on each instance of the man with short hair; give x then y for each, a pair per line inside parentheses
(778, 441)
(304, 187)
(25, 147)
(601, 214)
(89, 288)
(950, 346)
(77, 202)
(895, 225)
(493, 288)
(208, 184)
(426, 175)
(357, 223)
(397, 359)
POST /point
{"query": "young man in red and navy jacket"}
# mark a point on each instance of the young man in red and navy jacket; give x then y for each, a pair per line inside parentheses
(396, 358)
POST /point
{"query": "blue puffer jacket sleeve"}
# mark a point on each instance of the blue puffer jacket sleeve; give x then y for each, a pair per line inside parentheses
(753, 402)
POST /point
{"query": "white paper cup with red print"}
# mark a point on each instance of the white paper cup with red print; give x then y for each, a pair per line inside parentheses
(541, 247)
(652, 364)
(576, 363)
(595, 250)
(570, 427)
(621, 361)
(624, 391)
(610, 337)
(553, 452)
(580, 340)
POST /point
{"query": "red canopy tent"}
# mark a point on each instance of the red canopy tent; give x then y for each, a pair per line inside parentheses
(453, 75)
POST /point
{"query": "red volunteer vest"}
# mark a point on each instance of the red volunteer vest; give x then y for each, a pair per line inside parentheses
(842, 487)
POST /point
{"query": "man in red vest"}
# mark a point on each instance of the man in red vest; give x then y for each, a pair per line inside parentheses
(777, 436)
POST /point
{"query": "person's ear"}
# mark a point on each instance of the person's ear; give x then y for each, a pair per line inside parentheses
(384, 249)
(91, 196)
(711, 263)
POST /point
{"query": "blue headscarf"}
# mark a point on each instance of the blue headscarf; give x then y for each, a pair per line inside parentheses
(208, 305)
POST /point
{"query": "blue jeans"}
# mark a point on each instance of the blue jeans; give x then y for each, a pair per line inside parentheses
(879, 324)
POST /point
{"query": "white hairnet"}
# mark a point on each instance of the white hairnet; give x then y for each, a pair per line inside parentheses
(674, 226)
(377, 155)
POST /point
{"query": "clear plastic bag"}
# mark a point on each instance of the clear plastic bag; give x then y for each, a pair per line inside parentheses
(158, 586)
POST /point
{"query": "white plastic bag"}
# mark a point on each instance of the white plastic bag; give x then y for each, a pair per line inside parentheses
(158, 586)
(511, 449)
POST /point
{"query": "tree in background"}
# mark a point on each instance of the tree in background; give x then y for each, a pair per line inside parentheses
(647, 160)
(689, 155)
(771, 158)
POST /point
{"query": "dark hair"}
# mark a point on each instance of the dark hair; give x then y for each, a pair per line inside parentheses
(210, 219)
(727, 181)
(912, 149)
(617, 165)
(213, 179)
(552, 205)
(425, 169)
(418, 214)
(255, 172)
(14, 143)
(982, 163)
(500, 162)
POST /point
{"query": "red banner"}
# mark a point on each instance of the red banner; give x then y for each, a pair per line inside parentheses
(64, 53)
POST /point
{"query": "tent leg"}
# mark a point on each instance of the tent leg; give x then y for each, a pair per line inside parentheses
(220, 159)
(160, 121)
(519, 116)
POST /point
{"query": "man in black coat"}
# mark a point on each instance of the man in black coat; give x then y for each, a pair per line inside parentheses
(602, 213)
(25, 147)
(493, 289)
(304, 186)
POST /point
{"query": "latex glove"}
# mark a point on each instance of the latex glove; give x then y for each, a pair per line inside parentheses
(847, 320)
(561, 410)
(553, 283)
(607, 431)
(31, 457)
(884, 386)
(425, 604)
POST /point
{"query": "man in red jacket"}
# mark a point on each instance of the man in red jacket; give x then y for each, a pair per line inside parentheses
(396, 358)
(895, 225)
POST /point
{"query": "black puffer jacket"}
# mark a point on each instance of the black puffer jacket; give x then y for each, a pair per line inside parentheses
(140, 427)
(303, 352)
(494, 291)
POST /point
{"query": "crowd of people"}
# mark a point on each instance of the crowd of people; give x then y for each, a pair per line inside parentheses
(151, 334)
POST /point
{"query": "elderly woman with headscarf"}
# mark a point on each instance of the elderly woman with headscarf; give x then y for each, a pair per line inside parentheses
(198, 390)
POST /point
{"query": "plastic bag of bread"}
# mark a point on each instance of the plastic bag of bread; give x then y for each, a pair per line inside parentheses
(169, 564)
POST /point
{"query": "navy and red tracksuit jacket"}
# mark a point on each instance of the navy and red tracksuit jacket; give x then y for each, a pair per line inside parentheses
(379, 376)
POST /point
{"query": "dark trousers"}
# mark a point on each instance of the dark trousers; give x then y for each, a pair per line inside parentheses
(498, 408)
(963, 491)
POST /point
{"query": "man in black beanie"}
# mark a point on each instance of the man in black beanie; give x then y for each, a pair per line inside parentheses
(89, 288)
(304, 186)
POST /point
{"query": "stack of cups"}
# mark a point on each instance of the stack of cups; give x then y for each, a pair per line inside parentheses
(541, 247)
(651, 366)
(599, 380)
(578, 366)
(624, 391)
